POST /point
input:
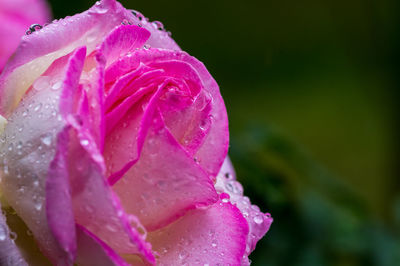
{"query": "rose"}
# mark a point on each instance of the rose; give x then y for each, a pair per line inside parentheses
(112, 147)
(15, 17)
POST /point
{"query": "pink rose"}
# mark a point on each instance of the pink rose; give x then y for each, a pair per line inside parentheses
(15, 17)
(112, 148)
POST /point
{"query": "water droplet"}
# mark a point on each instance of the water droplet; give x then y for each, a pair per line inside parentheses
(111, 228)
(38, 206)
(33, 28)
(56, 86)
(182, 255)
(214, 243)
(41, 83)
(13, 236)
(224, 197)
(158, 25)
(46, 139)
(3, 232)
(138, 15)
(24, 113)
(258, 219)
(84, 142)
(100, 8)
(37, 107)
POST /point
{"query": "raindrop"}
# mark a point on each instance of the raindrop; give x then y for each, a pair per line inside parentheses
(138, 15)
(46, 139)
(41, 83)
(56, 85)
(111, 228)
(33, 28)
(84, 142)
(13, 236)
(3, 232)
(182, 255)
(38, 206)
(100, 8)
(258, 219)
(224, 197)
(158, 25)
(37, 107)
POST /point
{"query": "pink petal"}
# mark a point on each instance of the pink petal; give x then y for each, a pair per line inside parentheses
(15, 19)
(27, 152)
(38, 50)
(209, 146)
(59, 207)
(159, 187)
(259, 223)
(212, 236)
(9, 252)
(122, 40)
(93, 251)
(59, 210)
(96, 207)
(94, 204)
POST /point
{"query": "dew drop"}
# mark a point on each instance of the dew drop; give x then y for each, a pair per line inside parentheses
(3, 232)
(56, 86)
(258, 219)
(111, 228)
(13, 236)
(158, 25)
(84, 142)
(37, 107)
(41, 83)
(46, 139)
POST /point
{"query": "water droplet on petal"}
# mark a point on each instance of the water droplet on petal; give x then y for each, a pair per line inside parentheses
(37, 107)
(56, 85)
(13, 236)
(84, 142)
(41, 83)
(46, 139)
(3, 232)
(258, 219)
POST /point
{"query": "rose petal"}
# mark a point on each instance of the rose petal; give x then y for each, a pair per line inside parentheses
(93, 251)
(59, 210)
(212, 236)
(122, 40)
(97, 208)
(30, 136)
(211, 145)
(259, 223)
(159, 187)
(91, 195)
(15, 19)
(39, 49)
(9, 252)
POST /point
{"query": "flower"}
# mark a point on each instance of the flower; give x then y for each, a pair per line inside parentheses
(112, 147)
(15, 17)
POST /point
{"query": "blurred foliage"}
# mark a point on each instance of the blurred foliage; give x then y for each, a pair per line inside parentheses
(311, 91)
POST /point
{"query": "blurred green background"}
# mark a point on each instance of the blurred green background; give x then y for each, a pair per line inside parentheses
(311, 91)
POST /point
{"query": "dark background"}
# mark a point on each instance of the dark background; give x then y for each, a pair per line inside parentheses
(311, 91)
